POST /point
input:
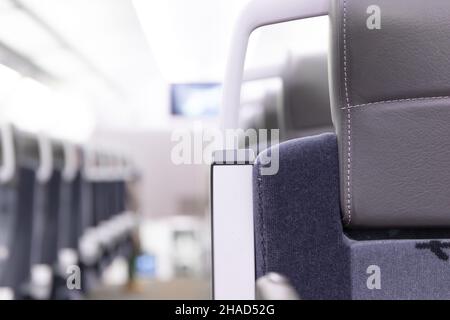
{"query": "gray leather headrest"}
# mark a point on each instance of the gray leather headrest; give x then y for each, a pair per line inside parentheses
(390, 82)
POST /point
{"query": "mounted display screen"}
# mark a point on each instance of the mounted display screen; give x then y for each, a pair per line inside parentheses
(196, 99)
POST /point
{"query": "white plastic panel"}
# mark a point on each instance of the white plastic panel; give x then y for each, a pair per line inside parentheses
(233, 233)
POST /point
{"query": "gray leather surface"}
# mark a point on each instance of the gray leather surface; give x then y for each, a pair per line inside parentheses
(389, 90)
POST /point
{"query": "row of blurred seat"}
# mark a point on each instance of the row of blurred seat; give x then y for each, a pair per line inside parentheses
(297, 102)
(63, 212)
(306, 96)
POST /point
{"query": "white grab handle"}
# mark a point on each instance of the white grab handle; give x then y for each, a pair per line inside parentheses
(71, 163)
(45, 169)
(258, 13)
(8, 169)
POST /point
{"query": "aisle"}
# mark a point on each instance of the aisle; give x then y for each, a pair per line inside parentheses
(191, 289)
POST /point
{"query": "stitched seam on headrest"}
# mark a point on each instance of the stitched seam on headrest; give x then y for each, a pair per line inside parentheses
(349, 120)
(394, 101)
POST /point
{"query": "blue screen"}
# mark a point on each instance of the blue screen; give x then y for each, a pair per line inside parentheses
(196, 99)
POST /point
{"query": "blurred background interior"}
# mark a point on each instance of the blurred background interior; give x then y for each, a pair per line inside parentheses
(101, 85)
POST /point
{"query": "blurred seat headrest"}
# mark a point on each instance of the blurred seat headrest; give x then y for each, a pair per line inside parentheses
(306, 97)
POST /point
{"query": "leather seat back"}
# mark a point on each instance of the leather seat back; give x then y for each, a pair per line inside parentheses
(390, 77)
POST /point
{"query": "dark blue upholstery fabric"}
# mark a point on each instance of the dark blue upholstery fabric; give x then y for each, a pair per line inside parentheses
(69, 221)
(45, 221)
(299, 234)
(297, 219)
(410, 269)
(17, 202)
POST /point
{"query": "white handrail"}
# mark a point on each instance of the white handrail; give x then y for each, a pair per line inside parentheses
(45, 169)
(258, 13)
(8, 168)
(71, 162)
